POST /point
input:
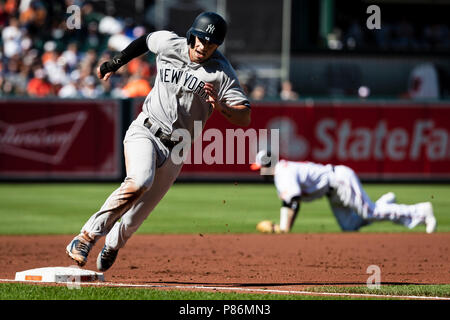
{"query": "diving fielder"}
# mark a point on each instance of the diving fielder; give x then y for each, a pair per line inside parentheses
(194, 79)
(352, 207)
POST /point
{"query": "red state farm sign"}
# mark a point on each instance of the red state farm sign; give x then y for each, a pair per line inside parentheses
(59, 139)
(378, 140)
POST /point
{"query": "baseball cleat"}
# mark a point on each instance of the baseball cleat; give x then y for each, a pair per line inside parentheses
(425, 210)
(106, 258)
(430, 220)
(78, 249)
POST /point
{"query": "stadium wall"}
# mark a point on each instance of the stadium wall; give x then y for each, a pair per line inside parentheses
(81, 140)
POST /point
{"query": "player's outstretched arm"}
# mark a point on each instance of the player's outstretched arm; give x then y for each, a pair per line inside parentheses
(288, 214)
(238, 115)
(134, 49)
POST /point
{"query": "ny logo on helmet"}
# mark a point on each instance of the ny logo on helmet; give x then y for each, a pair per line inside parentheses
(210, 28)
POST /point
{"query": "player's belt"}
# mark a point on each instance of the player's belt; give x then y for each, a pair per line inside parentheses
(164, 138)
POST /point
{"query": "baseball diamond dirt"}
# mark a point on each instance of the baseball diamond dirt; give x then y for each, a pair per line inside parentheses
(287, 262)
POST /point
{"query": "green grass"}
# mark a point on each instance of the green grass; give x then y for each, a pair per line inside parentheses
(59, 208)
(442, 290)
(18, 291)
(62, 208)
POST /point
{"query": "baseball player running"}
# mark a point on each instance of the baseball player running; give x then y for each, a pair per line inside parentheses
(193, 80)
(352, 207)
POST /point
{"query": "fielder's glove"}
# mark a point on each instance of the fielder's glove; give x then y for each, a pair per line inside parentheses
(268, 226)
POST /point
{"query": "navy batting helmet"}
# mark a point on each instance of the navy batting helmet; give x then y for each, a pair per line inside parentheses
(209, 26)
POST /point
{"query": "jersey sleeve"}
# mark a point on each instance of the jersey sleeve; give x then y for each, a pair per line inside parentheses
(231, 91)
(287, 184)
(157, 41)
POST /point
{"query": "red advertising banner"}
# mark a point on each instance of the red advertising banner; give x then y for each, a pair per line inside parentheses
(60, 139)
(378, 140)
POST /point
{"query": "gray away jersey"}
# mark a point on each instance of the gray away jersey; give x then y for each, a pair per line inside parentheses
(177, 98)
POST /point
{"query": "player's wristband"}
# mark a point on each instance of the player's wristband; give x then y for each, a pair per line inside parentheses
(134, 49)
(112, 65)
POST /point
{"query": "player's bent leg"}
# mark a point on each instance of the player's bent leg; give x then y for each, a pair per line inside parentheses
(348, 219)
(350, 193)
(408, 215)
(101, 222)
(122, 200)
(140, 158)
(131, 221)
(118, 203)
(164, 178)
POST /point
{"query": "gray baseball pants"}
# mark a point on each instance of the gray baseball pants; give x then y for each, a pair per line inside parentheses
(150, 174)
(353, 208)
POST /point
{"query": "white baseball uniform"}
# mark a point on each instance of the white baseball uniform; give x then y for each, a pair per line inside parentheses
(349, 202)
(175, 102)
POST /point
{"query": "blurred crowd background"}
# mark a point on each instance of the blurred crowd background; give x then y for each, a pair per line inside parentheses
(332, 51)
(41, 56)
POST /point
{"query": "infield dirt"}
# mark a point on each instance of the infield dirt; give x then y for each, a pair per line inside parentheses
(287, 262)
